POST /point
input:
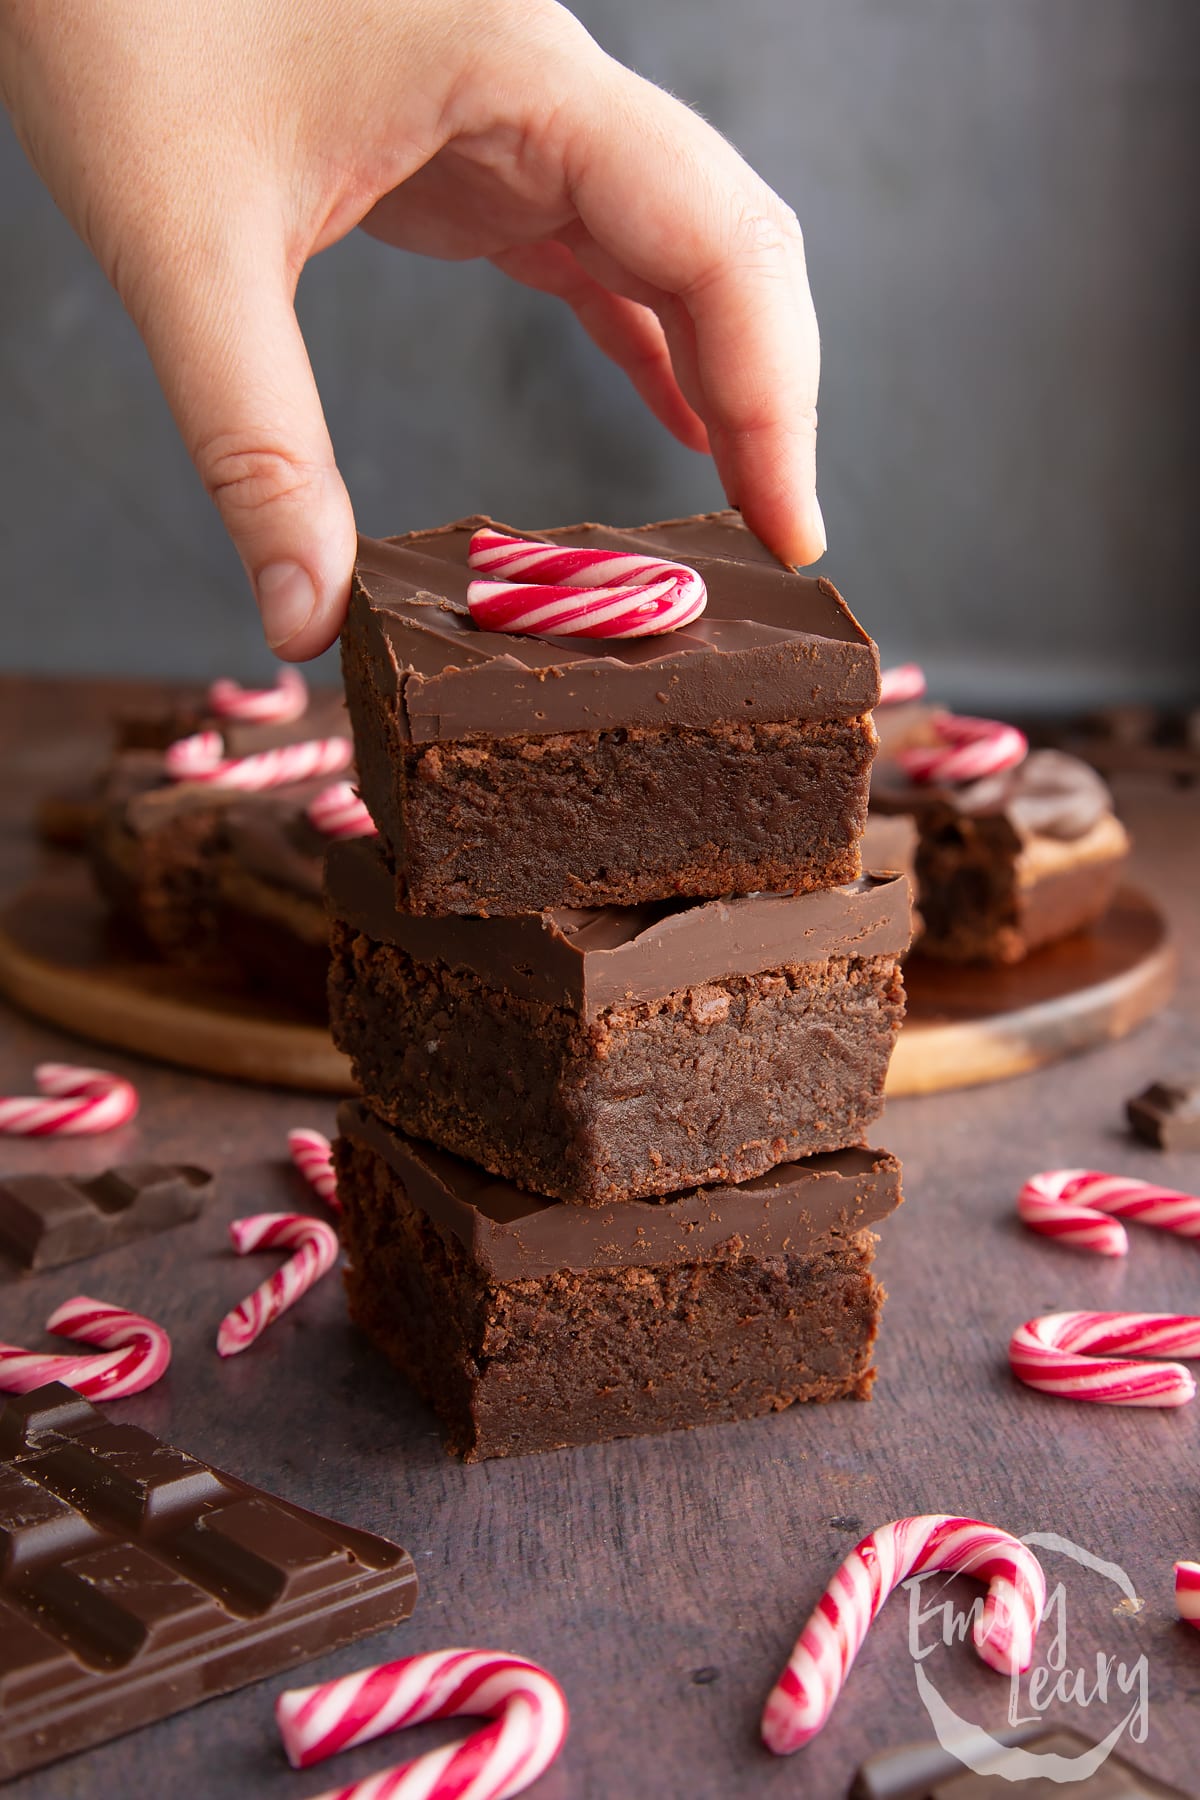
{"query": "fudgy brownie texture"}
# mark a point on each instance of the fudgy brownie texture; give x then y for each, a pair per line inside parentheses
(597, 818)
(571, 1356)
(715, 1082)
(510, 774)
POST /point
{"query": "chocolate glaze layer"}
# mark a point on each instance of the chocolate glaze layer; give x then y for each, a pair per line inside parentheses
(772, 646)
(270, 835)
(46, 1220)
(513, 1235)
(1050, 794)
(595, 959)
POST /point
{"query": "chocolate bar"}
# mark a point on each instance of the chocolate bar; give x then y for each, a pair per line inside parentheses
(47, 1220)
(136, 1580)
(928, 1772)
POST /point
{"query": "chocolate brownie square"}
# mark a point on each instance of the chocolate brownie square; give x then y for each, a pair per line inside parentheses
(1010, 862)
(528, 1325)
(508, 774)
(624, 1051)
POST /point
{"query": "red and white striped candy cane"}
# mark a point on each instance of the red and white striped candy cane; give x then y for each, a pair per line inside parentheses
(967, 750)
(1072, 1205)
(339, 813)
(70, 1102)
(315, 1248)
(201, 757)
(1187, 1592)
(804, 1696)
(527, 1707)
(139, 1351)
(905, 682)
(277, 705)
(553, 591)
(1056, 1355)
(312, 1154)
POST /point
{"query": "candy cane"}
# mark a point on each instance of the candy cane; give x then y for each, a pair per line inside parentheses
(1071, 1204)
(71, 1102)
(804, 1696)
(316, 1247)
(201, 758)
(312, 1154)
(967, 750)
(139, 1351)
(503, 1758)
(277, 705)
(638, 596)
(905, 682)
(1187, 1592)
(339, 813)
(1053, 1355)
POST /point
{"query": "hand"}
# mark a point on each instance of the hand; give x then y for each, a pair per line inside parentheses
(205, 149)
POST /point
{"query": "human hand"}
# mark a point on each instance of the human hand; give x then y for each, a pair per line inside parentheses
(204, 150)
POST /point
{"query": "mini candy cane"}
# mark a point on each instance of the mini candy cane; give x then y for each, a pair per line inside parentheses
(73, 1102)
(201, 758)
(1071, 1204)
(1053, 1355)
(804, 1696)
(339, 813)
(639, 596)
(277, 705)
(967, 750)
(1187, 1592)
(139, 1351)
(905, 682)
(503, 1758)
(316, 1247)
(312, 1154)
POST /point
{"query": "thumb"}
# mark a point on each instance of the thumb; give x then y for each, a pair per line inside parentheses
(227, 349)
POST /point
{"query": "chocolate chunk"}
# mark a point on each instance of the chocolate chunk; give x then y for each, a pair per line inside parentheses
(46, 1220)
(136, 1581)
(1167, 1114)
(927, 1772)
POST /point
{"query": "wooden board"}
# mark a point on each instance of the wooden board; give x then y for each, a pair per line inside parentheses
(59, 960)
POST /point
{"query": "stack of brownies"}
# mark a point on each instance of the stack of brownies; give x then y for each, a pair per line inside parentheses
(618, 999)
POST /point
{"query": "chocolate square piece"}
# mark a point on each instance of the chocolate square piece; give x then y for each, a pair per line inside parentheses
(47, 1220)
(508, 774)
(529, 1325)
(1011, 862)
(1167, 1114)
(136, 1581)
(623, 1052)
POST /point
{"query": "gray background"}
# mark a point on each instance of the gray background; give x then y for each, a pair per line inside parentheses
(999, 201)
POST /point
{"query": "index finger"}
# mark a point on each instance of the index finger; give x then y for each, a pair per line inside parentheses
(667, 198)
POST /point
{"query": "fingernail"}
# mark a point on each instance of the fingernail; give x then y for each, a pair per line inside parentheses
(819, 521)
(286, 598)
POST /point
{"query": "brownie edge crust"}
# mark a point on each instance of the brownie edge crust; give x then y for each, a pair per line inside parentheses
(560, 1357)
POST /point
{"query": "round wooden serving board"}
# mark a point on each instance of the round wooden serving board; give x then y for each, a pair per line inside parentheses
(60, 960)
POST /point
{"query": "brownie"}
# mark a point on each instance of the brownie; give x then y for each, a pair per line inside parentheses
(159, 846)
(528, 1325)
(620, 1052)
(1011, 862)
(930, 1772)
(510, 774)
(270, 907)
(1167, 1113)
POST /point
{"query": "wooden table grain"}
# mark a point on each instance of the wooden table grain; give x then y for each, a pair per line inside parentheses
(664, 1580)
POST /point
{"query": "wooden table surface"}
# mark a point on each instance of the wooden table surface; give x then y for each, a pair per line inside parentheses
(664, 1580)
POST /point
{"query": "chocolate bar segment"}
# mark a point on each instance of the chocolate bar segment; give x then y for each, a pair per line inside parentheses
(928, 1772)
(508, 773)
(1167, 1114)
(47, 1220)
(136, 1580)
